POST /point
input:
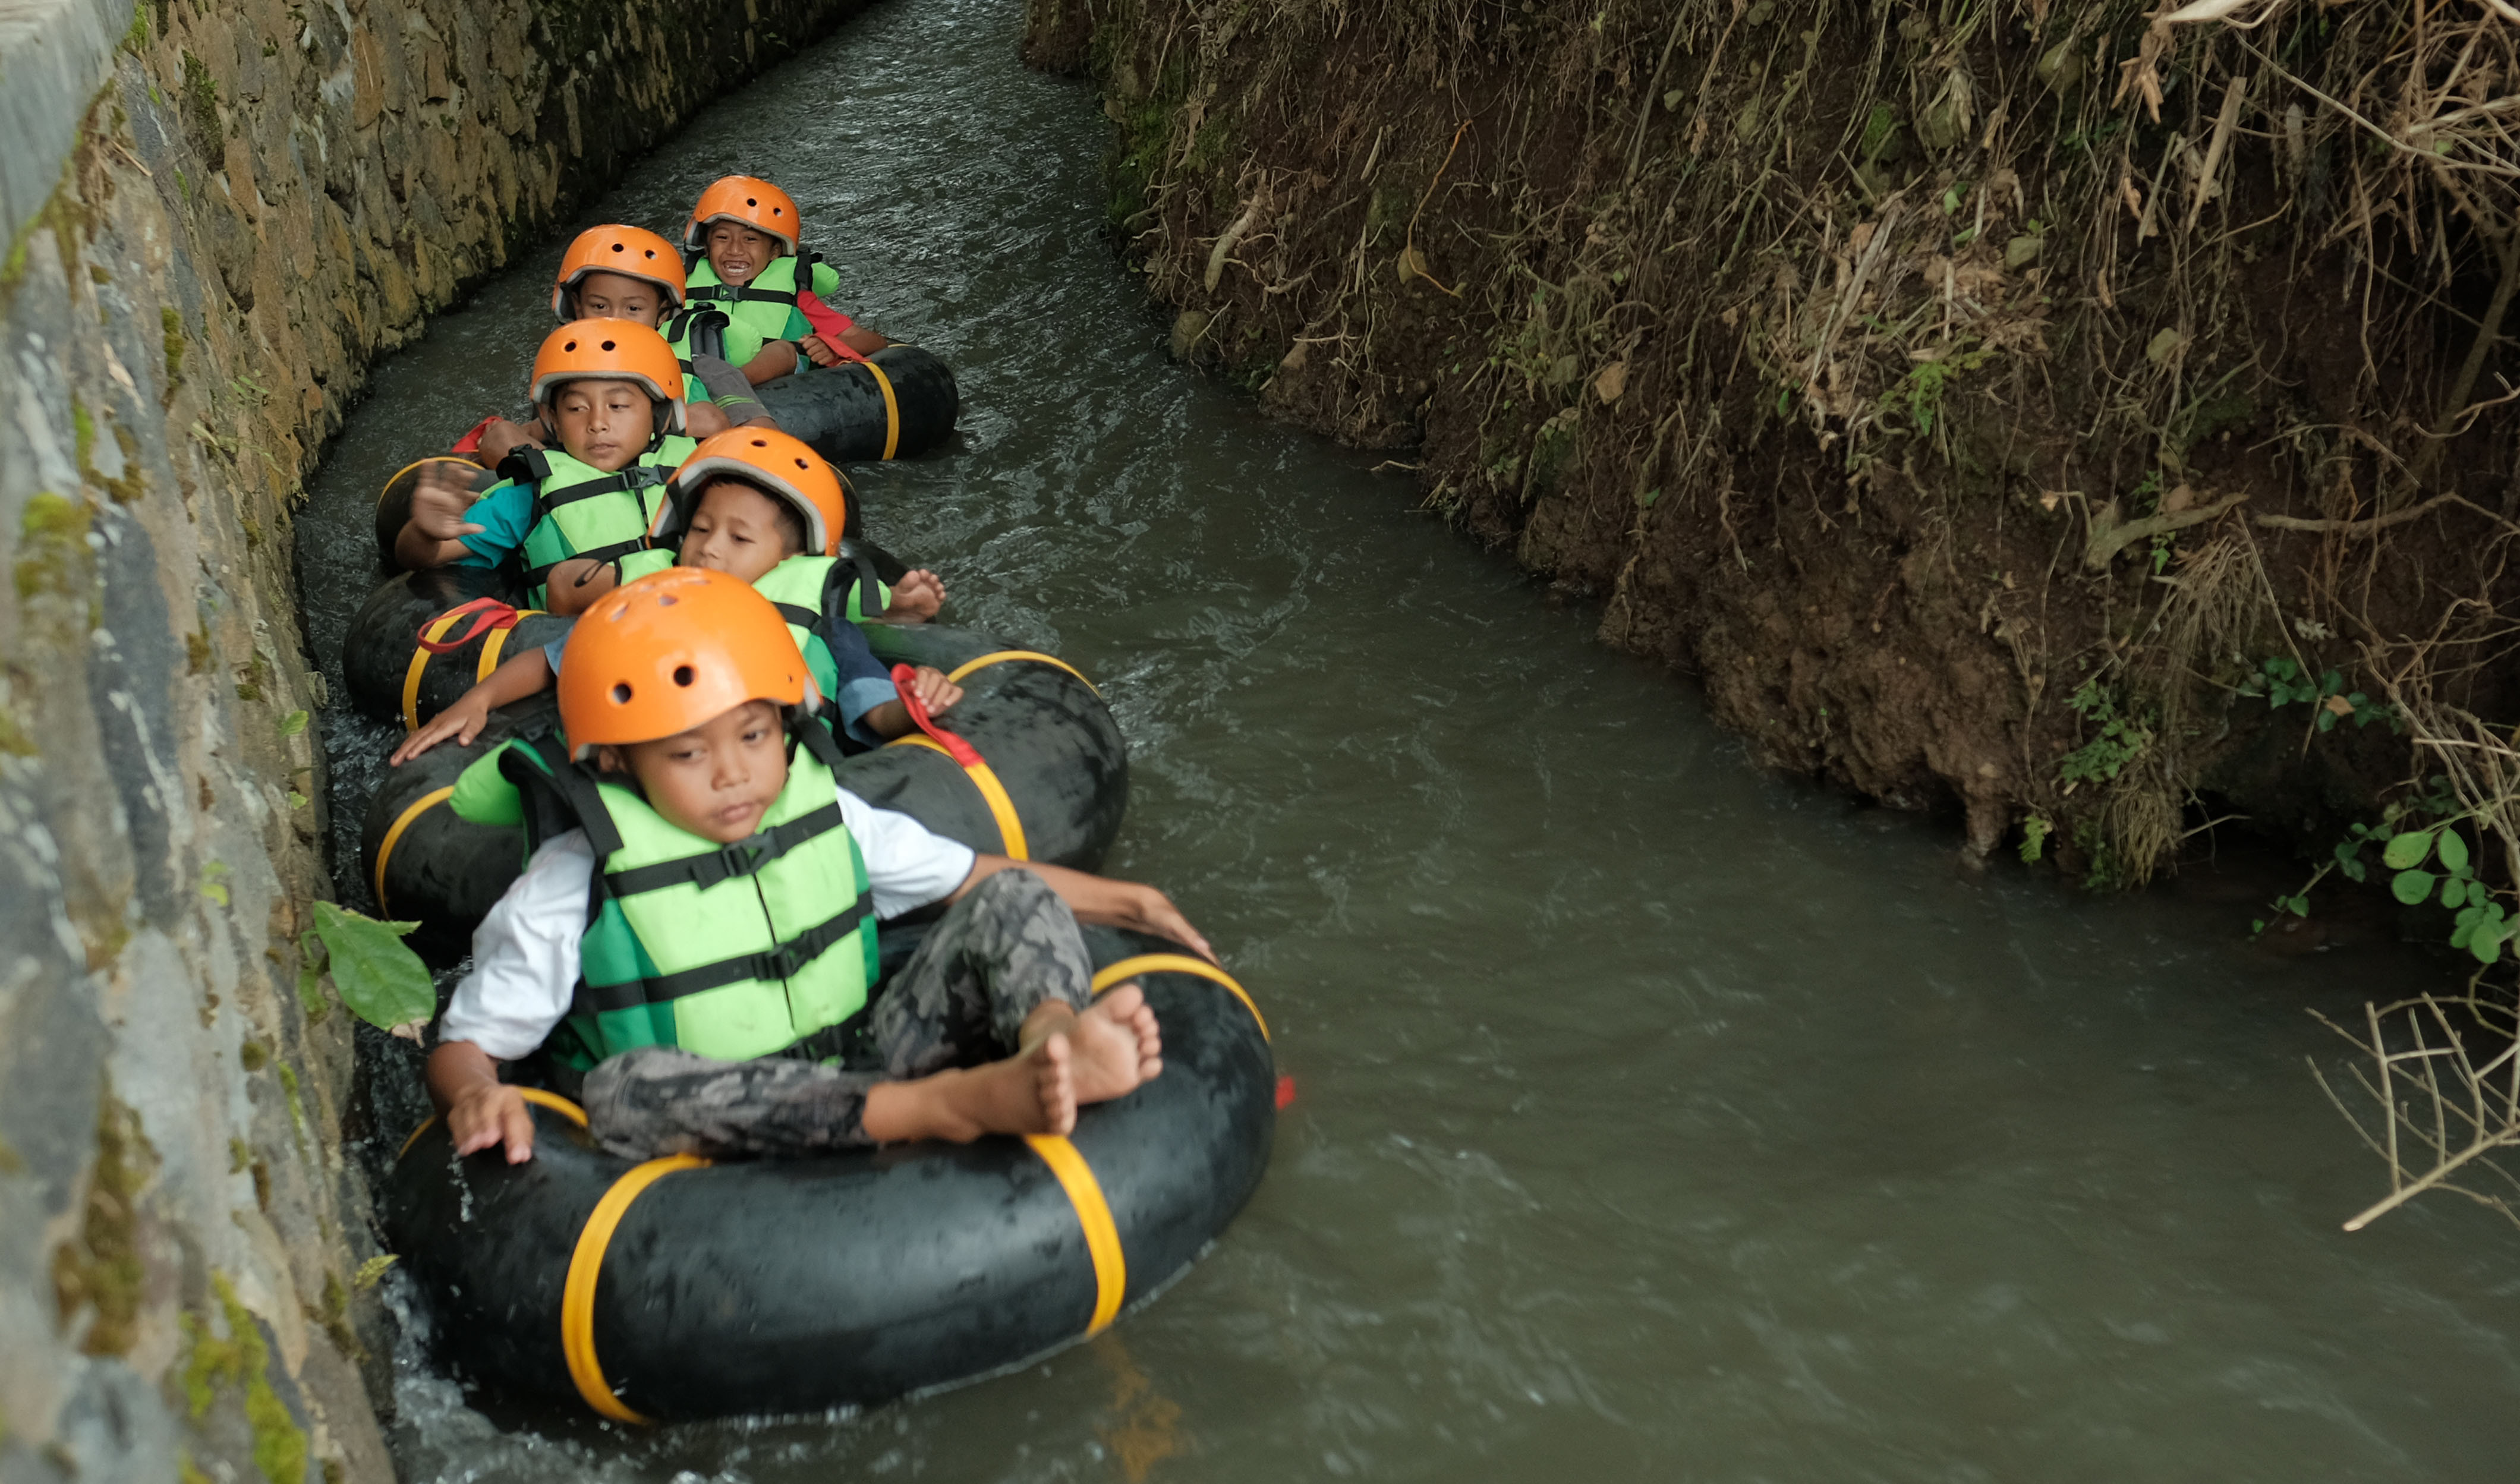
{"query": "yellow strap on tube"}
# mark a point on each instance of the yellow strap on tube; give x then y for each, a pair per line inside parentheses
(892, 408)
(1002, 655)
(402, 822)
(420, 657)
(552, 1100)
(495, 644)
(1001, 808)
(1177, 963)
(1094, 1214)
(586, 1265)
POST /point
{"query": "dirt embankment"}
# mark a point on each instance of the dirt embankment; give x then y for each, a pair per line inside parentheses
(2040, 408)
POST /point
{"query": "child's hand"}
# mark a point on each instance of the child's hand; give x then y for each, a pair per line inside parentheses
(1151, 910)
(439, 504)
(916, 597)
(491, 1112)
(461, 721)
(934, 691)
(820, 352)
(503, 438)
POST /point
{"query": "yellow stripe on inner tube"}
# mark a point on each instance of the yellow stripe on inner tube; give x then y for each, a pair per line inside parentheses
(420, 657)
(402, 822)
(586, 1265)
(1001, 808)
(416, 462)
(891, 409)
(1002, 655)
(497, 641)
(552, 1100)
(1177, 963)
(1094, 1214)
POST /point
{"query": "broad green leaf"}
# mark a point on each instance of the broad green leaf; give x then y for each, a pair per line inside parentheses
(384, 982)
(292, 724)
(2354, 871)
(2486, 943)
(2408, 886)
(2407, 850)
(2452, 849)
(2468, 916)
(2454, 891)
(2461, 933)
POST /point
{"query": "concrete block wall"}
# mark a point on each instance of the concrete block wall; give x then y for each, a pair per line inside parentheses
(218, 217)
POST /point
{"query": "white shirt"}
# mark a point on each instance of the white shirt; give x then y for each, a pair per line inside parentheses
(524, 952)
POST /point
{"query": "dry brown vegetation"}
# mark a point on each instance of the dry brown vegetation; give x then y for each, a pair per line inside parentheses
(2072, 412)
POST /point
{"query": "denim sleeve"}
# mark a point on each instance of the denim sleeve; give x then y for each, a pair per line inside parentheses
(504, 514)
(865, 682)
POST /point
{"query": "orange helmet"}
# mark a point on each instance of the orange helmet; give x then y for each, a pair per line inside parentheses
(611, 351)
(631, 251)
(758, 204)
(670, 652)
(779, 465)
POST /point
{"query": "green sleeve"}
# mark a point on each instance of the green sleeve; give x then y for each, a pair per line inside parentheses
(826, 282)
(484, 796)
(694, 388)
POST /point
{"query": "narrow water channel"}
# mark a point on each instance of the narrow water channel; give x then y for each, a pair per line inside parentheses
(1655, 1118)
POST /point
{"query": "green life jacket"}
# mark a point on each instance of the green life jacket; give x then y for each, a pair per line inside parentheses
(734, 323)
(580, 511)
(762, 948)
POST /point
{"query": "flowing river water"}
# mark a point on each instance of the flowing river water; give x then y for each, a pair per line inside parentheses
(1656, 1118)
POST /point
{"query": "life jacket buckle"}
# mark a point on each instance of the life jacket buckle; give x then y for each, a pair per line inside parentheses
(782, 962)
(744, 857)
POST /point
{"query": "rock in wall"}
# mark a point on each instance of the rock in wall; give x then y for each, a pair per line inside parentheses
(255, 201)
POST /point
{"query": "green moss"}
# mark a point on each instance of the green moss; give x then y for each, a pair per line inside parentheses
(196, 650)
(51, 545)
(14, 740)
(296, 1105)
(254, 1055)
(136, 40)
(130, 485)
(173, 323)
(242, 1360)
(83, 436)
(186, 1472)
(201, 107)
(238, 1156)
(99, 1268)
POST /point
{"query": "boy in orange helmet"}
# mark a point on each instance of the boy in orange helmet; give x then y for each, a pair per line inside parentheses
(613, 392)
(748, 289)
(628, 273)
(694, 932)
(762, 506)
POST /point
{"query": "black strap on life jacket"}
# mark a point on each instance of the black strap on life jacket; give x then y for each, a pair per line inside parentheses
(744, 293)
(701, 330)
(800, 615)
(636, 477)
(856, 566)
(784, 962)
(744, 857)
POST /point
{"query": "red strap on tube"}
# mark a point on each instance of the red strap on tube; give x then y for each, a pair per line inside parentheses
(488, 614)
(904, 680)
(470, 443)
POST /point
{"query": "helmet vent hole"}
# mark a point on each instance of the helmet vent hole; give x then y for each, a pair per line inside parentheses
(607, 344)
(682, 675)
(617, 247)
(572, 346)
(621, 695)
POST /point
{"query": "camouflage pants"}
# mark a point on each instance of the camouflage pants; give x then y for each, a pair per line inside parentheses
(961, 1001)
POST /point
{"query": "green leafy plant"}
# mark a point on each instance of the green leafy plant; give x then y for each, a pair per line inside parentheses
(2283, 682)
(382, 981)
(2122, 736)
(2481, 925)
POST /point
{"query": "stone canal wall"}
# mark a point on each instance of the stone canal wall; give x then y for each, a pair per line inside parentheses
(218, 217)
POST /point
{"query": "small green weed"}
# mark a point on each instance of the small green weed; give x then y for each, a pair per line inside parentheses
(2122, 736)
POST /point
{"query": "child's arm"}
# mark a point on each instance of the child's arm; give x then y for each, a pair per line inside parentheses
(529, 674)
(777, 359)
(572, 587)
(1099, 899)
(481, 1109)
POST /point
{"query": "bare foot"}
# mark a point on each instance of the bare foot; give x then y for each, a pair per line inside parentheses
(1032, 1091)
(1116, 1043)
